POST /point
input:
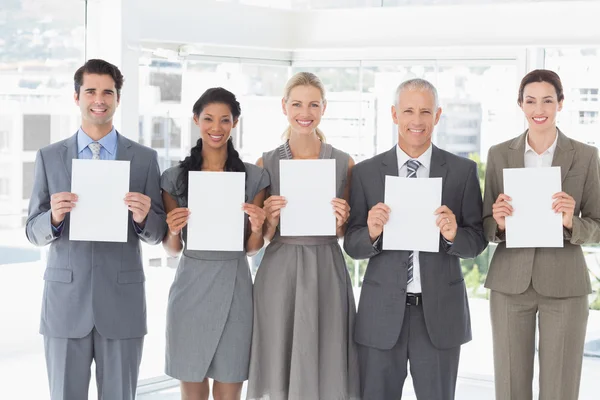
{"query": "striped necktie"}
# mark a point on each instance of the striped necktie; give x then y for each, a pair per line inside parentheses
(411, 166)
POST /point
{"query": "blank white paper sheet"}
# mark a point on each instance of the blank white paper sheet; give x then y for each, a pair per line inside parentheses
(533, 223)
(215, 202)
(309, 188)
(100, 213)
(413, 202)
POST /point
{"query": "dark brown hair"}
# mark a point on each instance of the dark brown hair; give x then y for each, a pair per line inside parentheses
(193, 162)
(99, 67)
(542, 75)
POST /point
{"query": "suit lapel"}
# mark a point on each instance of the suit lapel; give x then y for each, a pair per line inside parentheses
(438, 166)
(389, 165)
(563, 155)
(124, 152)
(438, 169)
(69, 152)
(516, 153)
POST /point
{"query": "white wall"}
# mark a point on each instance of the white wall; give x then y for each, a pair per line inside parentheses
(509, 24)
(233, 25)
(217, 23)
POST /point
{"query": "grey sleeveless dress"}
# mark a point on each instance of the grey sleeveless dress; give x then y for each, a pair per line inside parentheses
(209, 312)
(302, 346)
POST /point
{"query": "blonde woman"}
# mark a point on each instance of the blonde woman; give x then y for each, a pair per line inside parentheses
(302, 345)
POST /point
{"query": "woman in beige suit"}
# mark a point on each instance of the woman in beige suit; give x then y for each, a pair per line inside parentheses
(550, 284)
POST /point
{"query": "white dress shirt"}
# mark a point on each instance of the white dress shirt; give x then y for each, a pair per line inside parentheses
(422, 172)
(535, 160)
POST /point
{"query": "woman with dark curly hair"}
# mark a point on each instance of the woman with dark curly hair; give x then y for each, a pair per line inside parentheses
(209, 315)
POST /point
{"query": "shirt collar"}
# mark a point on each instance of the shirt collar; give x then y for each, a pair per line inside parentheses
(424, 159)
(108, 142)
(550, 149)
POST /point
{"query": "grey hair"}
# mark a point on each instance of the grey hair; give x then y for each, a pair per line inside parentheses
(417, 84)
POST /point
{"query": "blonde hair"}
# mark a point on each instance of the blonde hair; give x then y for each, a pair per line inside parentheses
(304, 79)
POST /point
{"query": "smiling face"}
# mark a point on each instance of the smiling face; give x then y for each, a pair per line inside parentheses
(304, 108)
(98, 100)
(416, 116)
(215, 122)
(540, 106)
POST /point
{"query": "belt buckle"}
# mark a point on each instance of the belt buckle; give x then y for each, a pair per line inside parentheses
(412, 298)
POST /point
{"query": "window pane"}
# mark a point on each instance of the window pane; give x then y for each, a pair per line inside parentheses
(41, 46)
(36, 131)
(579, 71)
(161, 119)
(479, 107)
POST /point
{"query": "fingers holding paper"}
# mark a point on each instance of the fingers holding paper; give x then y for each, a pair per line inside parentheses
(272, 207)
(341, 209)
(502, 209)
(378, 216)
(177, 219)
(139, 205)
(446, 221)
(256, 216)
(565, 204)
(60, 204)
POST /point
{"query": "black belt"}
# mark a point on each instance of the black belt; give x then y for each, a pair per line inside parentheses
(414, 299)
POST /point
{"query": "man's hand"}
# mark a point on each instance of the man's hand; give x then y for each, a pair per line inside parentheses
(60, 204)
(378, 216)
(139, 205)
(446, 221)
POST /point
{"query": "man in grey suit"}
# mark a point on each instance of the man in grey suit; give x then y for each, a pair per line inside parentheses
(413, 305)
(94, 304)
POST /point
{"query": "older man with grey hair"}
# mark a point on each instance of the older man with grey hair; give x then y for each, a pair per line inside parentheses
(413, 305)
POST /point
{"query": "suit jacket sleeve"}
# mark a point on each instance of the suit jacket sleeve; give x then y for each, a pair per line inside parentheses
(470, 240)
(357, 242)
(156, 225)
(491, 193)
(586, 227)
(38, 227)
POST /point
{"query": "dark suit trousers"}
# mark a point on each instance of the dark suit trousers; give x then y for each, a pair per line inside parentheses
(69, 362)
(434, 371)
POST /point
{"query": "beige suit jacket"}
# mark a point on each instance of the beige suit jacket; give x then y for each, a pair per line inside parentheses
(554, 272)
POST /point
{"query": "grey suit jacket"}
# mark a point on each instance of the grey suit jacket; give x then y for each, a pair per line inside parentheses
(554, 272)
(383, 295)
(91, 284)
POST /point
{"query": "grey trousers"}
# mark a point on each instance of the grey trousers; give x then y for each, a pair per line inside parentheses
(434, 371)
(562, 326)
(69, 361)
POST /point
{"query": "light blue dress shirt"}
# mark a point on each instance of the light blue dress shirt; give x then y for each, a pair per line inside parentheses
(108, 151)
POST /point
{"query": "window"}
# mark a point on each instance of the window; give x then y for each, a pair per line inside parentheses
(36, 131)
(27, 179)
(588, 117)
(4, 141)
(41, 45)
(4, 187)
(579, 69)
(588, 94)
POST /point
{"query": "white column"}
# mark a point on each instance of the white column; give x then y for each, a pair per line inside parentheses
(113, 35)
